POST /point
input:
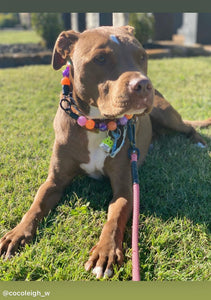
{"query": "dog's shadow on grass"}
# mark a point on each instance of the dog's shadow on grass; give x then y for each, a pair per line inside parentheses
(174, 182)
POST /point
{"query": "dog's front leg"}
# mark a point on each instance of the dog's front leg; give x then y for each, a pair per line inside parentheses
(108, 250)
(47, 197)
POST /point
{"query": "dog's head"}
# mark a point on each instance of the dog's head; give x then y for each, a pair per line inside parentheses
(108, 70)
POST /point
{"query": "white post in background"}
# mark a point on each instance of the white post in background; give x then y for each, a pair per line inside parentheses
(74, 21)
(189, 28)
(120, 19)
(92, 20)
(25, 19)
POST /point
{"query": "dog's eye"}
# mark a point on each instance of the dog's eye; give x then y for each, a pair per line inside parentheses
(100, 59)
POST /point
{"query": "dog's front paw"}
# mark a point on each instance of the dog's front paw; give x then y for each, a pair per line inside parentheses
(102, 258)
(14, 239)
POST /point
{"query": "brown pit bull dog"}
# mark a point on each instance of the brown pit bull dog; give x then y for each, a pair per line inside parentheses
(108, 73)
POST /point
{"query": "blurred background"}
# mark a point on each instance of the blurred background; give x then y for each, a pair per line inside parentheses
(162, 34)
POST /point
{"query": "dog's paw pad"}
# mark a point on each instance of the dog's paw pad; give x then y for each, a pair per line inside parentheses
(200, 145)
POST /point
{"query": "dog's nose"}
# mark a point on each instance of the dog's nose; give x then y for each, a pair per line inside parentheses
(137, 85)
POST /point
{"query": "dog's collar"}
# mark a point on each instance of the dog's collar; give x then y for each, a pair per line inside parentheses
(116, 128)
(68, 104)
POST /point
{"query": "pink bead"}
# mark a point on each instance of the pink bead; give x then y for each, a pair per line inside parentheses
(82, 121)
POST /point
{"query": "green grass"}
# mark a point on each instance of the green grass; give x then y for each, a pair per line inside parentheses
(19, 37)
(175, 183)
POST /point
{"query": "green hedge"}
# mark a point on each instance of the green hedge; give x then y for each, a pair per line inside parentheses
(144, 26)
(8, 20)
(48, 26)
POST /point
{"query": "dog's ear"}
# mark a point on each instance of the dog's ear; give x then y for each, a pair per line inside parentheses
(129, 29)
(63, 47)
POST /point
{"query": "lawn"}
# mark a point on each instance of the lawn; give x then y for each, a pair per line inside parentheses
(19, 36)
(175, 183)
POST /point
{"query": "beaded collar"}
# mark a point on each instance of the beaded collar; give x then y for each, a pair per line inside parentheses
(116, 128)
(82, 120)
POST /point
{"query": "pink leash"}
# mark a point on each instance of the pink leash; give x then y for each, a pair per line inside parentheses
(134, 155)
(135, 226)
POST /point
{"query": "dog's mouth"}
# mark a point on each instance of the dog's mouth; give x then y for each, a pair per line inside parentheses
(116, 109)
(121, 113)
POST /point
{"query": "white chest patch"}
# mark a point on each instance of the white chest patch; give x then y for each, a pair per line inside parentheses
(94, 113)
(94, 168)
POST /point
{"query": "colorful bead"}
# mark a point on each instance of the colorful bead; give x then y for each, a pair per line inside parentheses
(82, 121)
(129, 116)
(65, 89)
(65, 81)
(112, 125)
(66, 72)
(102, 126)
(123, 120)
(90, 124)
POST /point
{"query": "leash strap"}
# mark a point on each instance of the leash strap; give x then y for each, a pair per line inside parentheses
(116, 149)
(134, 154)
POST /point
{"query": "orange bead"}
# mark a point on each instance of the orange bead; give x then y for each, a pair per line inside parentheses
(112, 125)
(90, 124)
(129, 116)
(65, 81)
